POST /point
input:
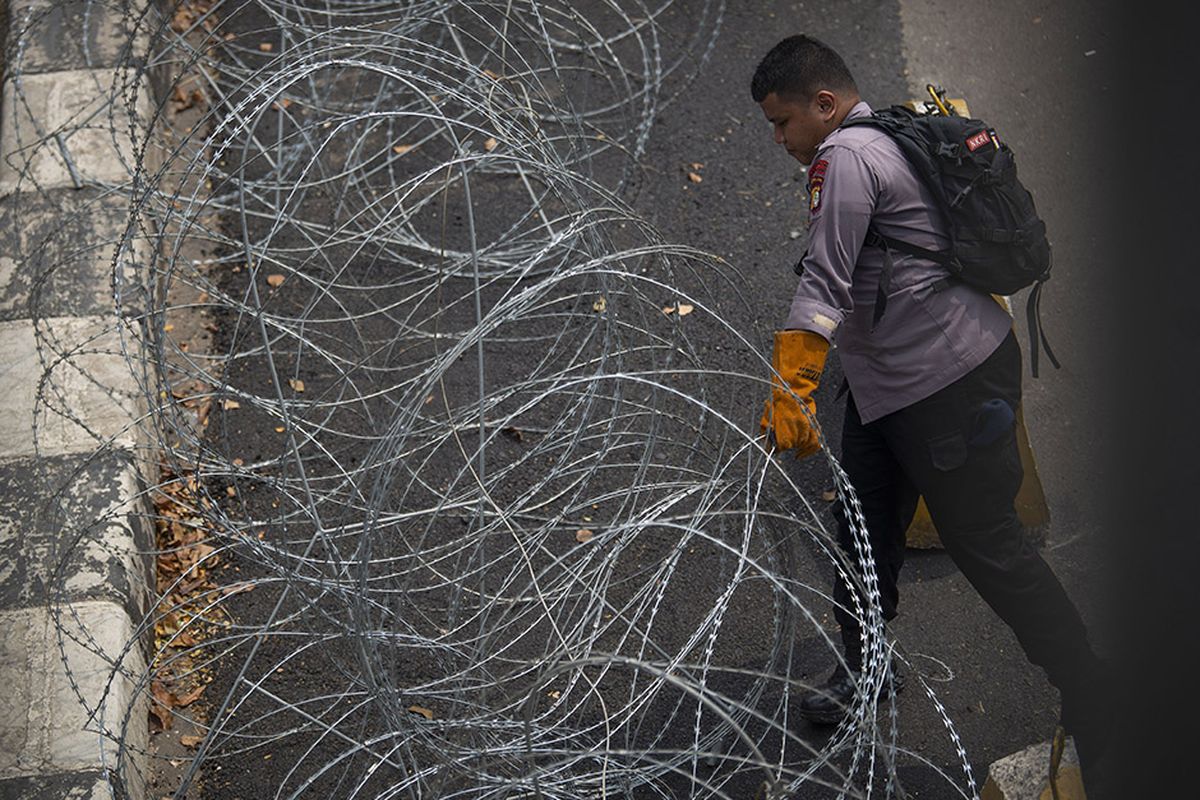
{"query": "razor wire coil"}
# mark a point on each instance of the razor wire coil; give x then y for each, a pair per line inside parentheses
(440, 414)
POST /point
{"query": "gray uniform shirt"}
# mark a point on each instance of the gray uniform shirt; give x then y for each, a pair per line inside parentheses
(926, 338)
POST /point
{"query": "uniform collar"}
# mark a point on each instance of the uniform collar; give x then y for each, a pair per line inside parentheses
(860, 109)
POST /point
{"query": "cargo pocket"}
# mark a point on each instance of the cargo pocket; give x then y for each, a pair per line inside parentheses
(994, 420)
(948, 451)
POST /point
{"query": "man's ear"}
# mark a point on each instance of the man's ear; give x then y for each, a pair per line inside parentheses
(826, 103)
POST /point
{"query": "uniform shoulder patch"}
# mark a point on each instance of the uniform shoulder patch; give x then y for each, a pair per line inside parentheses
(816, 180)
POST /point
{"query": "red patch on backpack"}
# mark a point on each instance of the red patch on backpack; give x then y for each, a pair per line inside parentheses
(978, 140)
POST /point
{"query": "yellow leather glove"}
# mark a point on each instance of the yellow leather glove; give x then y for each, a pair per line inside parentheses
(799, 358)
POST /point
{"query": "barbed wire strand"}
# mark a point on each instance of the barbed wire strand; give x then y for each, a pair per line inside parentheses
(452, 484)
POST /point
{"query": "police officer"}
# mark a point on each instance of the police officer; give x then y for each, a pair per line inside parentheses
(933, 386)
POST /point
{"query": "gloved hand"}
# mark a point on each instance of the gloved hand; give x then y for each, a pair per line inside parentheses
(799, 358)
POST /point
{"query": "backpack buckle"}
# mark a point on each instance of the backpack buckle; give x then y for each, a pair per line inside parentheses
(948, 150)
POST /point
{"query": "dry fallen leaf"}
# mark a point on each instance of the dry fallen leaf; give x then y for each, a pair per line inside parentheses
(490, 144)
(191, 696)
(685, 309)
(266, 47)
(182, 19)
(694, 178)
(168, 327)
(279, 105)
(296, 384)
(583, 535)
(401, 149)
(600, 305)
(668, 310)
(230, 491)
(275, 279)
(162, 709)
(279, 429)
(829, 495)
(229, 37)
(424, 712)
(697, 165)
(237, 462)
(230, 404)
(190, 741)
(491, 74)
(203, 550)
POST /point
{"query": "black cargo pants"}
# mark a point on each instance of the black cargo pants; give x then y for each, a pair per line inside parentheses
(958, 449)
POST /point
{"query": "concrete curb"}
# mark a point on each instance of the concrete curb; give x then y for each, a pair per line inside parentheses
(76, 570)
(1025, 775)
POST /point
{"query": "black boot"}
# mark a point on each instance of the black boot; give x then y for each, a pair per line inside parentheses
(1088, 717)
(828, 703)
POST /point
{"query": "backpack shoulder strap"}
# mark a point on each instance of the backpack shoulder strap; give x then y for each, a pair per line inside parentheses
(917, 139)
(877, 239)
(898, 123)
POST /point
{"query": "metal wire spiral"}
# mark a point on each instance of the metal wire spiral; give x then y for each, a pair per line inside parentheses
(448, 501)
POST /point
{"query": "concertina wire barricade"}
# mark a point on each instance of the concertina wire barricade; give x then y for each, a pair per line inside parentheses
(447, 501)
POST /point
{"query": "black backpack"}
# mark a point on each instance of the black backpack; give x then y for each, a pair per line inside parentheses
(998, 242)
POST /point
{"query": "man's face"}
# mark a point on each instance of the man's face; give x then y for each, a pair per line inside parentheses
(800, 125)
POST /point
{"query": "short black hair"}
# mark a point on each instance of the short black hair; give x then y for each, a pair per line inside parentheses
(799, 67)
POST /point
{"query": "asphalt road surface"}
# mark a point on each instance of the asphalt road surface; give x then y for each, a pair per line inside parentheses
(1039, 72)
